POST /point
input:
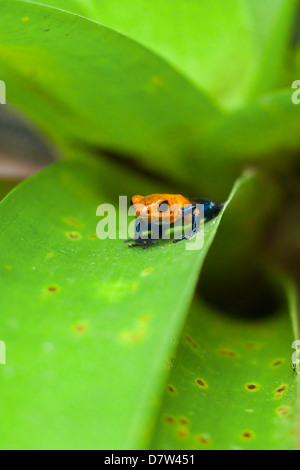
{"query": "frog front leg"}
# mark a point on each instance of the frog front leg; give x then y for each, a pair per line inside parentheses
(139, 241)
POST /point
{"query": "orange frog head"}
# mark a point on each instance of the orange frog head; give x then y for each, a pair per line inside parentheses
(160, 207)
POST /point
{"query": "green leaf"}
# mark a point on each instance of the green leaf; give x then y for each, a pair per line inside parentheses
(274, 22)
(232, 385)
(87, 324)
(264, 127)
(230, 49)
(265, 132)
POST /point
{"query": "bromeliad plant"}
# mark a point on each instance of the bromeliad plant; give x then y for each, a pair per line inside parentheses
(142, 97)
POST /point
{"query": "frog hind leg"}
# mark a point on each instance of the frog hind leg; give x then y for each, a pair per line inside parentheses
(195, 220)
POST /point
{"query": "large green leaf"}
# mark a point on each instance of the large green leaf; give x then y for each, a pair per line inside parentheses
(265, 132)
(245, 38)
(126, 100)
(87, 323)
(267, 125)
(232, 385)
(85, 84)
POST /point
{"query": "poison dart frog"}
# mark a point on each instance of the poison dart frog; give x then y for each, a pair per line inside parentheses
(163, 211)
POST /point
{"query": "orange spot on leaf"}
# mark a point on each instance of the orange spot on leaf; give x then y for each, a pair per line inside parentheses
(252, 387)
(248, 435)
(169, 419)
(201, 383)
(74, 235)
(182, 433)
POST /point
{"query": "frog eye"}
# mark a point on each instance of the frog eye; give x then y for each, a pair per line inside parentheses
(163, 206)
